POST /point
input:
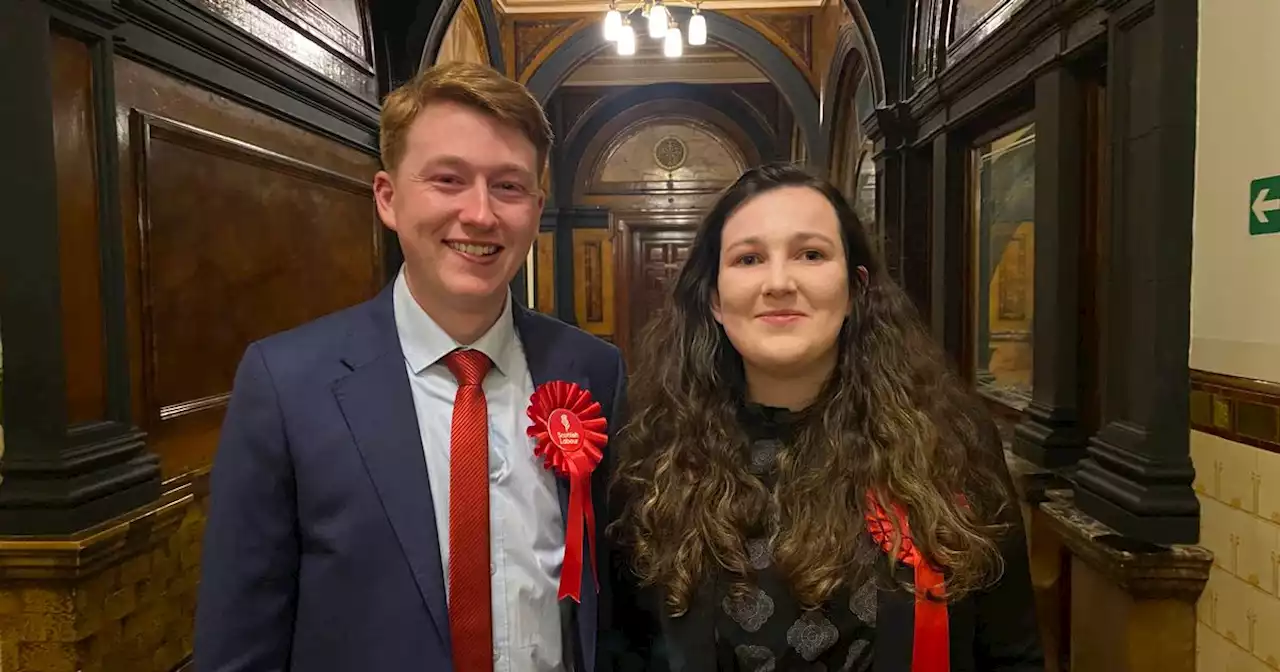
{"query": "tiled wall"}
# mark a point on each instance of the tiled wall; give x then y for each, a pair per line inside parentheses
(1239, 612)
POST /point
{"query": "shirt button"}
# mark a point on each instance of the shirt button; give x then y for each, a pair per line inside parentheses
(493, 569)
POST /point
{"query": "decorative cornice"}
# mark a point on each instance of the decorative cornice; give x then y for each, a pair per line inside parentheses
(1143, 570)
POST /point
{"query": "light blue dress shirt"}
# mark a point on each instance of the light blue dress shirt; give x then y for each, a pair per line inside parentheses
(526, 528)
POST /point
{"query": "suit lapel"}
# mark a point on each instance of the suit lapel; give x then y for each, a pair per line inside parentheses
(547, 363)
(377, 402)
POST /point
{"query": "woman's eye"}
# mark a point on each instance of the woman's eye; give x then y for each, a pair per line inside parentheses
(747, 260)
(812, 255)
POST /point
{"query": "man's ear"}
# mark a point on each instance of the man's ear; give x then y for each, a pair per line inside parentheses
(715, 306)
(384, 192)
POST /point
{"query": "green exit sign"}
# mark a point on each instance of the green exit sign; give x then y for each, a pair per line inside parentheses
(1264, 205)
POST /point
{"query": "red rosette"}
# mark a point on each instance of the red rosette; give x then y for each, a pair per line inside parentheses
(931, 644)
(570, 434)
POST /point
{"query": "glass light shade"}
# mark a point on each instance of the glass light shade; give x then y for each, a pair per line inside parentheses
(672, 45)
(612, 25)
(626, 41)
(698, 29)
(657, 20)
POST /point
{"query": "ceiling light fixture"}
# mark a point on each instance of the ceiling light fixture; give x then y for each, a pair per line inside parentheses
(661, 25)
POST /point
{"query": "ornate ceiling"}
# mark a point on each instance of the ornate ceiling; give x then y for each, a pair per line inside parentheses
(710, 63)
(531, 38)
(573, 6)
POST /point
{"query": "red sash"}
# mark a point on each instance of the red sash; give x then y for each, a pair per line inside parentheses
(931, 644)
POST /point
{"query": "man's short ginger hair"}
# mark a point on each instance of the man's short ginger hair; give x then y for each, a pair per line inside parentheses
(477, 86)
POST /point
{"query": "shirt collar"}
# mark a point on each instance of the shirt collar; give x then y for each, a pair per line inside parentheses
(424, 343)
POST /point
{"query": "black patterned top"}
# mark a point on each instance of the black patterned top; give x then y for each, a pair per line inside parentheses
(766, 630)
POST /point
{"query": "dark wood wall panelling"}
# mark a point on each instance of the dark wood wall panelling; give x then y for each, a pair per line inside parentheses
(179, 188)
(1129, 456)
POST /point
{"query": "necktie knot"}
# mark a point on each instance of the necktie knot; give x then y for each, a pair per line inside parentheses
(468, 366)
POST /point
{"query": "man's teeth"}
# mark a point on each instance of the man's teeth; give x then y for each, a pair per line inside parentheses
(478, 250)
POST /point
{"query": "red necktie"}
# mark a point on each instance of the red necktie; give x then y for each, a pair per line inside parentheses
(470, 622)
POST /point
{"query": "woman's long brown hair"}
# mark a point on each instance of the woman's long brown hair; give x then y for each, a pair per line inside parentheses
(892, 421)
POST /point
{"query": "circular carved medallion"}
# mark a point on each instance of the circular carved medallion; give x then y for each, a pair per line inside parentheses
(670, 153)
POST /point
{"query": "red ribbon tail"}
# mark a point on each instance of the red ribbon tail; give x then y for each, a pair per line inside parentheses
(571, 569)
(931, 650)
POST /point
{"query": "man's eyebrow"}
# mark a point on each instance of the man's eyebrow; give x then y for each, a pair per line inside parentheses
(458, 163)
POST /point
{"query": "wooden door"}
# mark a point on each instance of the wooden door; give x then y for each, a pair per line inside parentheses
(660, 254)
(651, 256)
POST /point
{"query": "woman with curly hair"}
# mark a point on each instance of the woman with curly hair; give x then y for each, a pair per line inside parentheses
(804, 484)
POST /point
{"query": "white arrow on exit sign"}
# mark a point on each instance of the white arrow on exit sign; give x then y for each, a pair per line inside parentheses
(1262, 205)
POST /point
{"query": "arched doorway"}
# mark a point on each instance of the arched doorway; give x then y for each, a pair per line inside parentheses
(656, 169)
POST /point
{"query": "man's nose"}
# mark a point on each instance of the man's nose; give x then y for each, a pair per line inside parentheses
(478, 207)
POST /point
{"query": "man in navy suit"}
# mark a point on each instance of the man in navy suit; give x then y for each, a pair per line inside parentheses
(376, 501)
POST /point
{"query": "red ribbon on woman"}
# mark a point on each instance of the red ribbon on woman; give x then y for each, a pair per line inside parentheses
(570, 434)
(931, 644)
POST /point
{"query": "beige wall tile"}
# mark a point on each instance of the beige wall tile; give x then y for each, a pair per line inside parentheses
(1254, 542)
(1212, 651)
(1231, 601)
(1232, 470)
(1215, 531)
(1202, 460)
(1269, 486)
(1267, 611)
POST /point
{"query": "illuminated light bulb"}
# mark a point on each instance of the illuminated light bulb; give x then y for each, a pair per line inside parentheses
(626, 41)
(657, 20)
(612, 25)
(672, 46)
(698, 29)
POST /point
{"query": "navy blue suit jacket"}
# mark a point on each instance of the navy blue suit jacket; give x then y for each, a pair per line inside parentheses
(320, 551)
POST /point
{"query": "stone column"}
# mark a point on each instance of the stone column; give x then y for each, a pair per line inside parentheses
(1137, 477)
